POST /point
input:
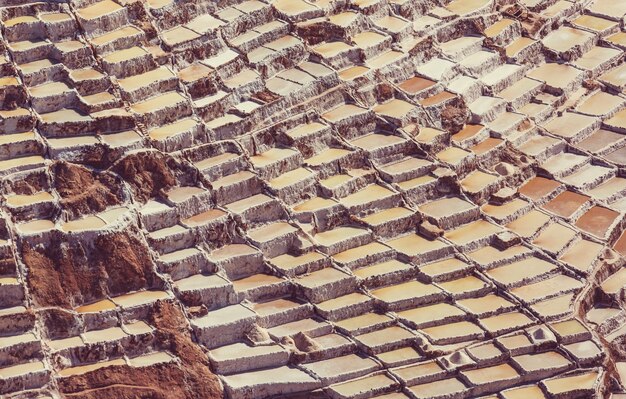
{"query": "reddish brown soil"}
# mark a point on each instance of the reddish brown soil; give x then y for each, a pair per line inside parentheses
(59, 323)
(29, 184)
(84, 191)
(531, 22)
(489, 43)
(453, 117)
(126, 261)
(138, 14)
(384, 92)
(191, 380)
(148, 173)
(44, 278)
(97, 156)
(266, 96)
(69, 275)
(174, 332)
(7, 266)
(14, 97)
(590, 84)
(316, 33)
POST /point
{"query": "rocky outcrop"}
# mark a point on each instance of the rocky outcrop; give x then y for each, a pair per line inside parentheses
(71, 273)
(84, 191)
(149, 173)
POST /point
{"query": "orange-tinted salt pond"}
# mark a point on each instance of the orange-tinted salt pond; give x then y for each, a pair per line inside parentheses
(566, 203)
(538, 187)
(597, 221)
(416, 84)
